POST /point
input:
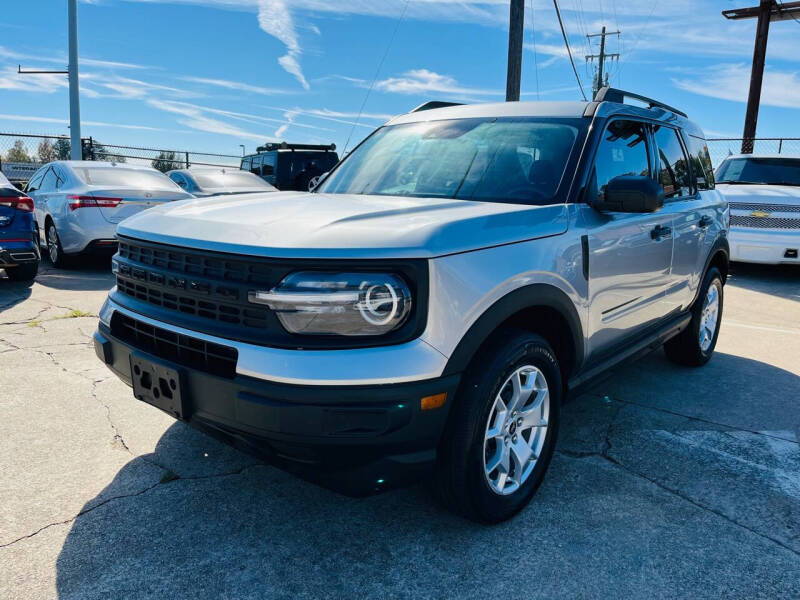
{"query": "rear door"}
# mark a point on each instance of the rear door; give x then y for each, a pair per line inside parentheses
(682, 201)
(630, 254)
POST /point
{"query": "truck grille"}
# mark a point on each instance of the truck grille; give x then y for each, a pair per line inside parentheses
(181, 349)
(776, 216)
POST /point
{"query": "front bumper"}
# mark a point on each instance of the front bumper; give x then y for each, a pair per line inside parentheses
(764, 246)
(356, 439)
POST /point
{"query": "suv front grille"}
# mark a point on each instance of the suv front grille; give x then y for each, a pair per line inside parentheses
(765, 216)
(181, 349)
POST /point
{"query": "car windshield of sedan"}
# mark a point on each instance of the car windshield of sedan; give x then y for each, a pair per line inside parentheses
(771, 171)
(231, 180)
(518, 160)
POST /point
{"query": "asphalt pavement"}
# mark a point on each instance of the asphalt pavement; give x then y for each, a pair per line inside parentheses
(667, 482)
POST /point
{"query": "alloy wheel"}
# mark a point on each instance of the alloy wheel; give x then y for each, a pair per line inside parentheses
(516, 430)
(708, 317)
(52, 243)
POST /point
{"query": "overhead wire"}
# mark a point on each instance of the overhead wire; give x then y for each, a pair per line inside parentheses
(377, 72)
(569, 51)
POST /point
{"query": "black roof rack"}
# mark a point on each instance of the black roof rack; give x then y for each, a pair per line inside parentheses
(609, 94)
(286, 146)
(434, 104)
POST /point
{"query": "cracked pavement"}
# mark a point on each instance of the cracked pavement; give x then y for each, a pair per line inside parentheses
(667, 481)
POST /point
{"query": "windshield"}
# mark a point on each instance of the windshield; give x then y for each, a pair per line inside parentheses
(230, 180)
(128, 178)
(489, 159)
(774, 171)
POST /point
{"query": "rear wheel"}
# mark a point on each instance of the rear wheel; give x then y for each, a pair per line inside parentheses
(23, 272)
(54, 249)
(695, 345)
(502, 432)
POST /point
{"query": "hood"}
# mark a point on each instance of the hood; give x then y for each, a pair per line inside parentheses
(304, 225)
(760, 194)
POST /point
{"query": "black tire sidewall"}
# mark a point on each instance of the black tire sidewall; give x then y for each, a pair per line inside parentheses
(522, 349)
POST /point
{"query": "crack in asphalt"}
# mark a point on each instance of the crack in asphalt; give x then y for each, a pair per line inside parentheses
(85, 511)
(607, 446)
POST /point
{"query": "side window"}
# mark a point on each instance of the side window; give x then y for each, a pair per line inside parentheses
(269, 165)
(673, 166)
(245, 166)
(179, 179)
(48, 181)
(255, 167)
(35, 181)
(622, 151)
(701, 163)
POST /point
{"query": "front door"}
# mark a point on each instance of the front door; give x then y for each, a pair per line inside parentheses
(630, 254)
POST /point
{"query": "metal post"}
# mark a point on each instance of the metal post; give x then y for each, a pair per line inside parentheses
(756, 75)
(187, 160)
(780, 145)
(74, 90)
(516, 26)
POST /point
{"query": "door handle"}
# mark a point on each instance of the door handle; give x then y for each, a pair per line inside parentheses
(659, 232)
(705, 221)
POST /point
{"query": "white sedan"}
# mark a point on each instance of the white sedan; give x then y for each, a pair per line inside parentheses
(763, 193)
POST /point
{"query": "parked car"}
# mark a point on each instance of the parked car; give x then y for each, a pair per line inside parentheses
(19, 250)
(763, 192)
(427, 309)
(213, 181)
(78, 204)
(291, 166)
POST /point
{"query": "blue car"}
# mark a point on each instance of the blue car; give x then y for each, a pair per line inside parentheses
(19, 248)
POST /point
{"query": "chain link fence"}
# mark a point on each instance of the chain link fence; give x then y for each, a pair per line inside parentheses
(22, 154)
(719, 148)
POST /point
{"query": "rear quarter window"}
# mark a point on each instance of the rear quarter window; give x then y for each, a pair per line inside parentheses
(700, 160)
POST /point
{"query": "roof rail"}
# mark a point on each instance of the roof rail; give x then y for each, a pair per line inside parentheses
(434, 104)
(286, 146)
(609, 94)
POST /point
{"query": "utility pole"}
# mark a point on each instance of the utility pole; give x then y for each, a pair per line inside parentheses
(74, 91)
(75, 146)
(601, 59)
(766, 12)
(516, 25)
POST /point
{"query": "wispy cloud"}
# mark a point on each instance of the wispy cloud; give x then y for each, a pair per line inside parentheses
(276, 20)
(730, 82)
(421, 81)
(65, 122)
(196, 118)
(237, 85)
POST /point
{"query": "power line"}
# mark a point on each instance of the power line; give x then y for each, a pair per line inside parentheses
(375, 78)
(569, 52)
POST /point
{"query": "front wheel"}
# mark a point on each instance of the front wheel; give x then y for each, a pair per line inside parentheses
(695, 345)
(502, 430)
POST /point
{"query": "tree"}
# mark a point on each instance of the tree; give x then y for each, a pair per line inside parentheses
(61, 149)
(18, 153)
(46, 151)
(165, 161)
(100, 152)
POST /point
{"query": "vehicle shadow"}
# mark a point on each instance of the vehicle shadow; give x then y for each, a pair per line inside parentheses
(261, 533)
(782, 281)
(12, 292)
(88, 274)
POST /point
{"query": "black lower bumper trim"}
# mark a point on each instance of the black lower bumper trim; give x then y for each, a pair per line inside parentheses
(354, 439)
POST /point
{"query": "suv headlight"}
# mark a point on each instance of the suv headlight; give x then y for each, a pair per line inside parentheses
(353, 304)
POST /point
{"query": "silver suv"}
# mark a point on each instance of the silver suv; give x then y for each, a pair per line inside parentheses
(427, 309)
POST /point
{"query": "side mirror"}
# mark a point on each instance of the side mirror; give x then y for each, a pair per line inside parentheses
(631, 194)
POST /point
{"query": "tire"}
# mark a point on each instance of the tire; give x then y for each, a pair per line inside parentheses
(23, 272)
(54, 250)
(468, 449)
(694, 346)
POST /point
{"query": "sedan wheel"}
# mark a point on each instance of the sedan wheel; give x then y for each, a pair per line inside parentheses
(54, 249)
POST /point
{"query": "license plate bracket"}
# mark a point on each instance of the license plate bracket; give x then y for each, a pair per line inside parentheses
(158, 384)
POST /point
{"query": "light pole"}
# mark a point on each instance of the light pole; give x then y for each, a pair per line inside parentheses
(242, 146)
(76, 152)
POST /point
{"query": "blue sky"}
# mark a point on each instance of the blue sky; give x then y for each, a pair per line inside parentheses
(213, 74)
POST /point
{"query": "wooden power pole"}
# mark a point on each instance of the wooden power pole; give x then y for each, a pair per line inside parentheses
(766, 12)
(516, 24)
(601, 59)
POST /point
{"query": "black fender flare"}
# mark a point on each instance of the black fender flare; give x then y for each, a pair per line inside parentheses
(529, 296)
